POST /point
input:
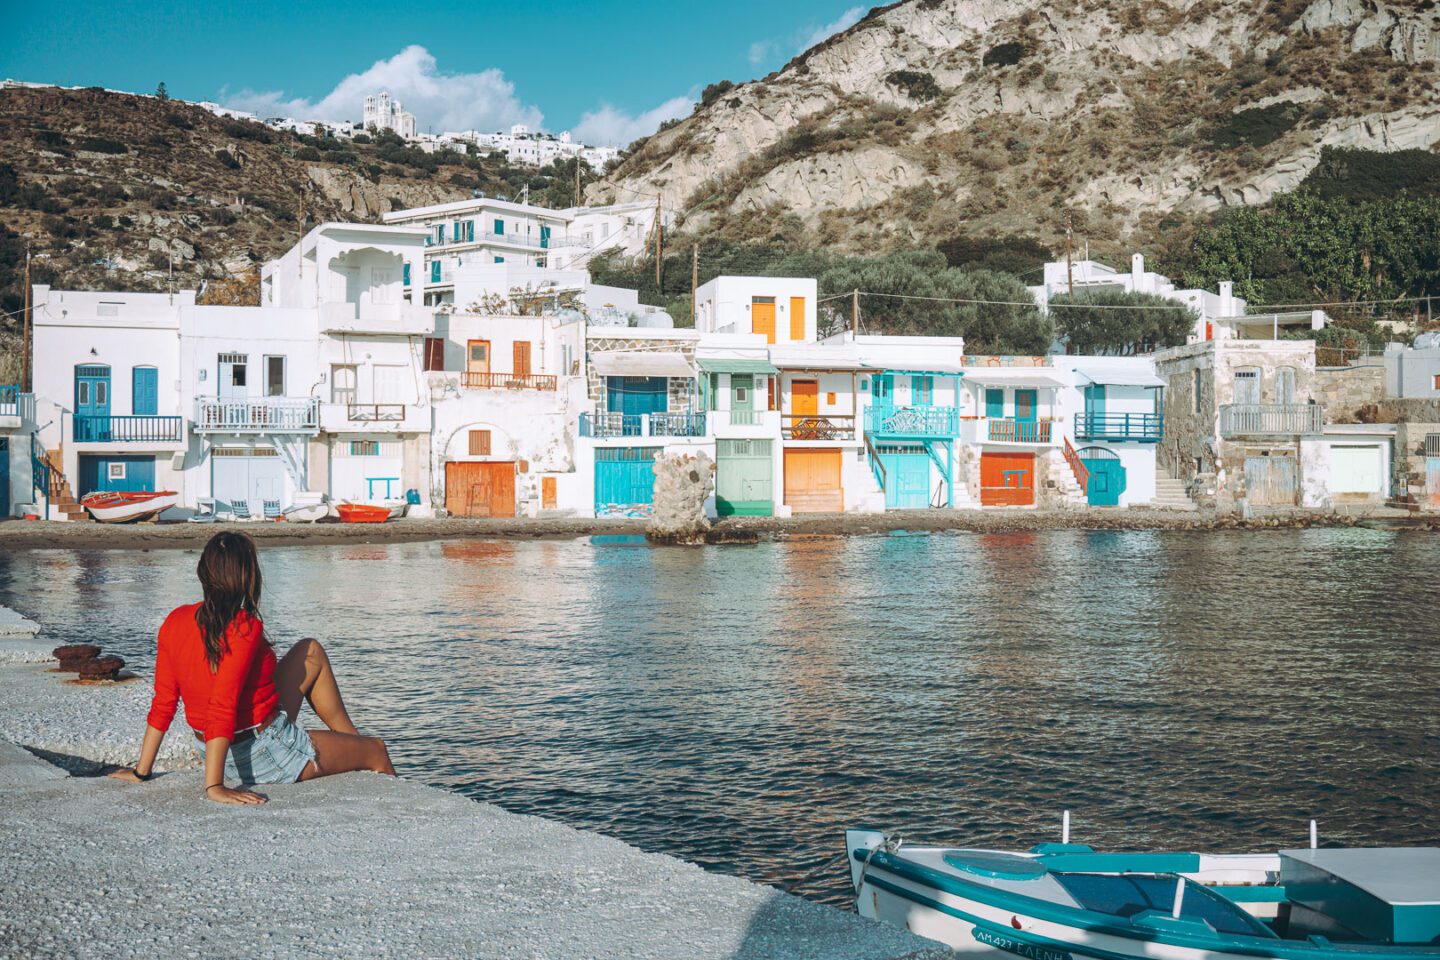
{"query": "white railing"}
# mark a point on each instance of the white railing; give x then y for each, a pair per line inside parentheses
(257, 415)
(1270, 419)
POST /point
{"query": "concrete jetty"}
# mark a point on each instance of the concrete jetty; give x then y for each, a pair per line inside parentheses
(354, 865)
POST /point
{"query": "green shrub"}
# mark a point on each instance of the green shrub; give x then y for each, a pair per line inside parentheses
(248, 130)
(179, 120)
(101, 145)
(1373, 175)
(917, 84)
(1004, 55)
(1258, 127)
(715, 91)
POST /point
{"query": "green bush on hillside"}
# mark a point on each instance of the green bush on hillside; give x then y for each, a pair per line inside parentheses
(917, 84)
(1257, 128)
(101, 145)
(1374, 175)
(1004, 55)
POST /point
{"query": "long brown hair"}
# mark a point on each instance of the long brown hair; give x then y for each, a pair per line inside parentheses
(229, 572)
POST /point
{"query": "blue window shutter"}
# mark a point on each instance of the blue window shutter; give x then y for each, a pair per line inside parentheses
(499, 227)
(470, 231)
(434, 271)
(145, 392)
(499, 259)
(994, 402)
(406, 272)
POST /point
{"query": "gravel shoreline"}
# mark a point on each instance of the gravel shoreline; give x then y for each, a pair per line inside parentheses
(37, 535)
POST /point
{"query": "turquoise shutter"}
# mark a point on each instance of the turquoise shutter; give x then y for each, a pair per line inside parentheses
(406, 271)
(145, 392)
(499, 259)
(994, 403)
(469, 231)
(499, 227)
(434, 271)
(544, 237)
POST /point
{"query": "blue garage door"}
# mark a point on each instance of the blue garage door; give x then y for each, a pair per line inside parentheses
(1107, 476)
(907, 477)
(108, 472)
(5, 475)
(625, 481)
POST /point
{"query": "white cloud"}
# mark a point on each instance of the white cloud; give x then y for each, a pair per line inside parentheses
(608, 126)
(760, 52)
(847, 19)
(440, 101)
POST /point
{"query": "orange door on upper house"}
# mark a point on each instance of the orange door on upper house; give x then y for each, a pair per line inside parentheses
(797, 318)
(805, 398)
(477, 356)
(1007, 479)
(480, 489)
(812, 481)
(522, 358)
(762, 317)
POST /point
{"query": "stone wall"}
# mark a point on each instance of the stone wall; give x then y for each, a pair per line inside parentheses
(683, 393)
(1342, 391)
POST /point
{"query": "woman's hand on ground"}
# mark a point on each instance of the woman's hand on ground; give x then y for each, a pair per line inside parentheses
(227, 795)
(127, 774)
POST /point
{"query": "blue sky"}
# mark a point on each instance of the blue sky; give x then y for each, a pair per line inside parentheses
(607, 69)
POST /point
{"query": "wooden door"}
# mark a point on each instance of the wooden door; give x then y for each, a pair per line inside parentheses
(743, 478)
(522, 358)
(762, 317)
(797, 318)
(1007, 479)
(812, 481)
(480, 489)
(1106, 476)
(805, 398)
(1271, 480)
(907, 477)
(477, 356)
(625, 481)
(92, 403)
(548, 493)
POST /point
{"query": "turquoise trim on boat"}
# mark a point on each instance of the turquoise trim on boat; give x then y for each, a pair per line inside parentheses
(1001, 866)
(1090, 920)
(1122, 862)
(1255, 894)
(1062, 848)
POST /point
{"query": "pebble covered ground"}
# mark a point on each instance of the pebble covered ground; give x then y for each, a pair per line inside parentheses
(354, 865)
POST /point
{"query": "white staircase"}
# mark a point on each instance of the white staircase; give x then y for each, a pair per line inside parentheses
(1066, 485)
(1170, 495)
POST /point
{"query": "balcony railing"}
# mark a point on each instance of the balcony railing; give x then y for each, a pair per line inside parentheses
(258, 415)
(812, 427)
(1270, 419)
(744, 418)
(129, 429)
(605, 425)
(1018, 431)
(507, 381)
(375, 412)
(13, 403)
(1144, 427)
(918, 422)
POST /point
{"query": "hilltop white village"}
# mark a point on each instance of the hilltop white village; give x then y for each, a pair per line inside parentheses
(459, 358)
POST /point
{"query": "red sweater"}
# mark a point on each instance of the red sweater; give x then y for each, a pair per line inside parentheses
(240, 694)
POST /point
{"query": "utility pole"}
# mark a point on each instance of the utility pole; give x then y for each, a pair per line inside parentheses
(1069, 267)
(577, 181)
(694, 279)
(855, 312)
(658, 227)
(25, 371)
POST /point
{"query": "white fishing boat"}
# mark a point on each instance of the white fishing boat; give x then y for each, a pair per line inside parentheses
(1065, 901)
(128, 506)
(306, 512)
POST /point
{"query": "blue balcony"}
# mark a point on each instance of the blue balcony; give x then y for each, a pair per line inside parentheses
(609, 425)
(16, 408)
(129, 429)
(1137, 427)
(913, 423)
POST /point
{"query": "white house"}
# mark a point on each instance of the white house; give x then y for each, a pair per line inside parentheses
(1117, 407)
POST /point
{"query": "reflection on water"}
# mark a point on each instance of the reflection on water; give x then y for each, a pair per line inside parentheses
(740, 706)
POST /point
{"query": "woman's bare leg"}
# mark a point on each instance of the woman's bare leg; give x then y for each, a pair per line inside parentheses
(304, 674)
(343, 752)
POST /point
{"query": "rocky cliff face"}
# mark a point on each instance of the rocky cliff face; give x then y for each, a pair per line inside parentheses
(934, 117)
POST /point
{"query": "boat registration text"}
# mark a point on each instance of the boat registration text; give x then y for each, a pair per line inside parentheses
(1011, 945)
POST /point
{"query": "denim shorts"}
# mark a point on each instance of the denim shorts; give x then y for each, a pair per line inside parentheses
(277, 754)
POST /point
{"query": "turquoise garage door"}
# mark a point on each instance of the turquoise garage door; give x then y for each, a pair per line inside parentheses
(625, 481)
(907, 476)
(113, 472)
(744, 478)
(1107, 476)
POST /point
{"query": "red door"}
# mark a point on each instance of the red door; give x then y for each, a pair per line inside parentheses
(1007, 479)
(480, 489)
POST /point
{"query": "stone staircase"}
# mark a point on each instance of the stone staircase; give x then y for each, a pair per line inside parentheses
(1170, 495)
(1067, 487)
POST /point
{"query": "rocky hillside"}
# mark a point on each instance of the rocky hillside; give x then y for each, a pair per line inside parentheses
(936, 118)
(105, 188)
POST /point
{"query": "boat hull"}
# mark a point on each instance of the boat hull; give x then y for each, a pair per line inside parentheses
(307, 513)
(125, 507)
(363, 513)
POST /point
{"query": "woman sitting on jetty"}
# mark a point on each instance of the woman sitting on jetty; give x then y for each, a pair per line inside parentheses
(241, 701)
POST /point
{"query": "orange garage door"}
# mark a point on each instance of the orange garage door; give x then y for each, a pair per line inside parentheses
(1007, 479)
(480, 489)
(812, 481)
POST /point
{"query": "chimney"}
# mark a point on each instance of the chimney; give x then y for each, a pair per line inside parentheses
(1137, 268)
(1227, 298)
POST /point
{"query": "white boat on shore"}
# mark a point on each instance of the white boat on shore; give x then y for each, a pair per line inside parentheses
(306, 512)
(128, 506)
(1064, 901)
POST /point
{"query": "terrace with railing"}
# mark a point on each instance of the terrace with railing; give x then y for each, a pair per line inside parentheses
(1141, 427)
(128, 429)
(830, 426)
(918, 423)
(611, 425)
(258, 415)
(375, 412)
(16, 406)
(507, 381)
(1270, 419)
(1009, 430)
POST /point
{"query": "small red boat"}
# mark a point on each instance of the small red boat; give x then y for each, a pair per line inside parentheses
(362, 513)
(126, 506)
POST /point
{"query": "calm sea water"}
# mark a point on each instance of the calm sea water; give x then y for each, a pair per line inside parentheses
(740, 706)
